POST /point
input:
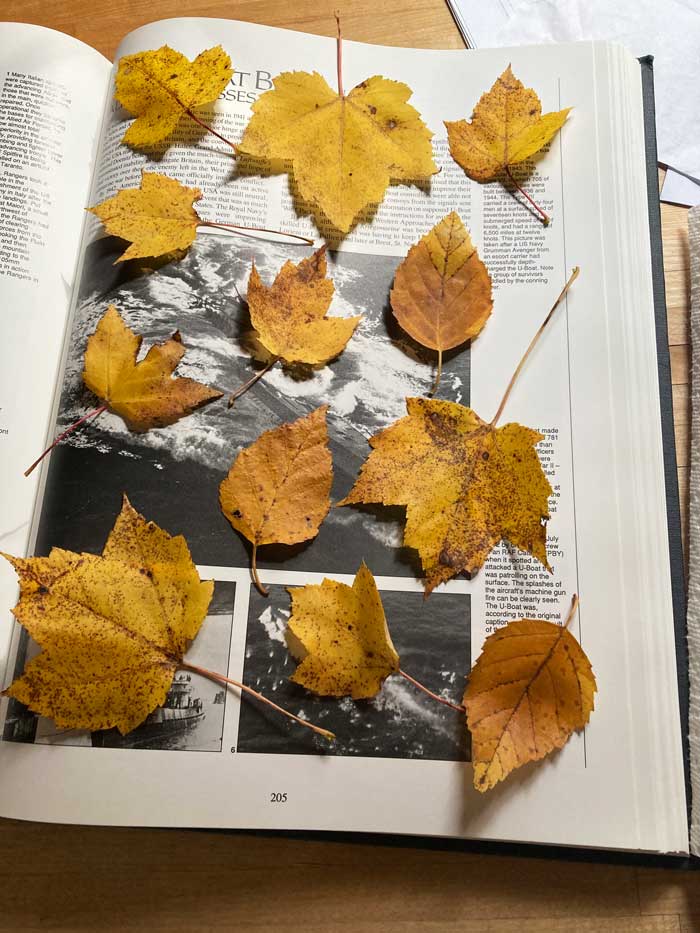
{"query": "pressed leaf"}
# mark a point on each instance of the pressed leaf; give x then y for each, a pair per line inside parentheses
(290, 315)
(113, 629)
(145, 394)
(339, 633)
(530, 689)
(507, 127)
(344, 150)
(442, 290)
(157, 219)
(277, 490)
(161, 85)
(466, 485)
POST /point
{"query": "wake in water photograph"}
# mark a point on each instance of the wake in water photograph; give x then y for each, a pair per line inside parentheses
(162, 470)
(190, 719)
(433, 640)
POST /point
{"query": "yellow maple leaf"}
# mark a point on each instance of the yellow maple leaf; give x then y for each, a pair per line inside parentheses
(507, 127)
(277, 490)
(339, 633)
(113, 629)
(442, 290)
(530, 689)
(466, 485)
(289, 315)
(161, 85)
(145, 394)
(157, 218)
(344, 150)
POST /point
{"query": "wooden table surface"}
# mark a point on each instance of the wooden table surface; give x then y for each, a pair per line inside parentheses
(83, 878)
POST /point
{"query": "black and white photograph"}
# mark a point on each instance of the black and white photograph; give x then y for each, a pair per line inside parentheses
(172, 474)
(433, 640)
(190, 719)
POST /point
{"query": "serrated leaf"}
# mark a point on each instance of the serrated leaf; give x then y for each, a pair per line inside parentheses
(113, 629)
(466, 485)
(290, 315)
(344, 150)
(144, 394)
(346, 648)
(160, 85)
(530, 689)
(157, 218)
(507, 127)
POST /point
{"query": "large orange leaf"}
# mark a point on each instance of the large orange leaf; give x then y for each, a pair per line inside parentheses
(144, 393)
(339, 634)
(113, 629)
(530, 689)
(442, 290)
(277, 490)
(465, 485)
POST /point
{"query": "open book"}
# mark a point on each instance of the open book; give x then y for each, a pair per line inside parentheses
(400, 763)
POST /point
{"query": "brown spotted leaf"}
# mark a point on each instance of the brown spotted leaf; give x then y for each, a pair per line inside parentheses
(340, 635)
(466, 485)
(530, 689)
(113, 629)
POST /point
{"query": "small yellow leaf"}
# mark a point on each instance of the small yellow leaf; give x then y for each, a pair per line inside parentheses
(442, 290)
(158, 218)
(507, 127)
(144, 393)
(344, 150)
(113, 629)
(159, 86)
(466, 485)
(345, 644)
(278, 489)
(289, 315)
(530, 689)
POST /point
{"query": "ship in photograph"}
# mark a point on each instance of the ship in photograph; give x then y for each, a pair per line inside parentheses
(182, 711)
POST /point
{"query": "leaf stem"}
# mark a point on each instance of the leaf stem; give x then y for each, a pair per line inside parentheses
(213, 223)
(251, 382)
(212, 675)
(572, 610)
(534, 340)
(210, 129)
(438, 375)
(545, 217)
(339, 55)
(76, 424)
(254, 572)
(416, 683)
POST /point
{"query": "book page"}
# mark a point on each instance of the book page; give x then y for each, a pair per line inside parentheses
(52, 90)
(401, 762)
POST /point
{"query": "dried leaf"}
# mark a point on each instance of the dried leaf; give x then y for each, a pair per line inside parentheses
(159, 86)
(344, 150)
(289, 316)
(507, 127)
(144, 393)
(442, 290)
(531, 688)
(277, 490)
(340, 634)
(465, 484)
(157, 219)
(113, 629)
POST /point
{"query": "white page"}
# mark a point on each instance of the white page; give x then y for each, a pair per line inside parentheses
(381, 791)
(52, 90)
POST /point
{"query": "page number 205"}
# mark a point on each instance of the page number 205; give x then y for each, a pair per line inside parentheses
(277, 797)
